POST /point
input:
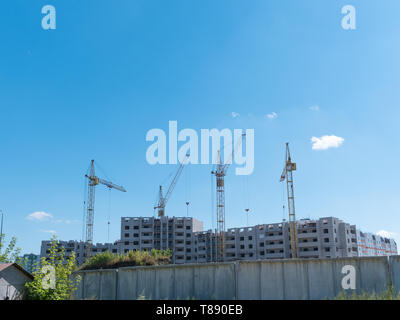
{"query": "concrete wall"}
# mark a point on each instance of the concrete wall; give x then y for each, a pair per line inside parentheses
(274, 279)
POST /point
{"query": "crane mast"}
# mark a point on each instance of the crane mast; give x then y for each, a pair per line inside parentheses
(93, 180)
(288, 175)
(220, 184)
(220, 174)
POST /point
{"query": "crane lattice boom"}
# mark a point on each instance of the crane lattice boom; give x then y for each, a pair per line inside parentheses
(162, 200)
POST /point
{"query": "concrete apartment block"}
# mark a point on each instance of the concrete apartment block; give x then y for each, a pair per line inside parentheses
(373, 245)
(323, 238)
(174, 233)
(259, 242)
(205, 246)
(327, 237)
(79, 248)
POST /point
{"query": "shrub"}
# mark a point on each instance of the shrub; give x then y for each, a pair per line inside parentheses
(108, 260)
(388, 294)
(42, 288)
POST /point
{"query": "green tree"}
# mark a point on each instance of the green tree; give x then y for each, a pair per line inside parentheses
(11, 253)
(53, 279)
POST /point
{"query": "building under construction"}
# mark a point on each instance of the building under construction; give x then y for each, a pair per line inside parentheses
(322, 238)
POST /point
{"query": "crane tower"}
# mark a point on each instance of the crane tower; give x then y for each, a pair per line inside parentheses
(220, 173)
(288, 175)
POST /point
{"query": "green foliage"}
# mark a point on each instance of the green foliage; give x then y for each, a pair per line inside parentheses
(389, 294)
(108, 260)
(11, 253)
(64, 285)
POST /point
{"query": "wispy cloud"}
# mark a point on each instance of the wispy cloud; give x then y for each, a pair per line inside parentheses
(44, 216)
(271, 115)
(49, 231)
(40, 216)
(326, 142)
(314, 108)
(386, 234)
(235, 114)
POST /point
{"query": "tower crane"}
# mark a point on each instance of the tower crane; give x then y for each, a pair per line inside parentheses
(93, 181)
(220, 173)
(288, 175)
(162, 200)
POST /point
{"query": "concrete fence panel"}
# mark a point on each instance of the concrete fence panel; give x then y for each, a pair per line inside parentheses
(224, 281)
(108, 284)
(394, 263)
(91, 289)
(272, 280)
(164, 283)
(204, 282)
(322, 280)
(374, 274)
(184, 282)
(78, 293)
(127, 288)
(295, 279)
(146, 283)
(248, 280)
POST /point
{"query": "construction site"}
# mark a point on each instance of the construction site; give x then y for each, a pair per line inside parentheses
(323, 238)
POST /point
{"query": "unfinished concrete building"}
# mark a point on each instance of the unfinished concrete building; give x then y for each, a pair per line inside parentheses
(163, 233)
(327, 237)
(79, 248)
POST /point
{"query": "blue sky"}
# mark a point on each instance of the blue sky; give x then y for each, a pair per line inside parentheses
(112, 70)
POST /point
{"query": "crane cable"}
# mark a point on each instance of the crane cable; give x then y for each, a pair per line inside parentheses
(187, 190)
(84, 208)
(246, 198)
(85, 191)
(212, 203)
(212, 217)
(283, 202)
(109, 215)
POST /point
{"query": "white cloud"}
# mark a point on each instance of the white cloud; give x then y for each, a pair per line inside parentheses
(326, 142)
(235, 114)
(386, 234)
(40, 216)
(314, 108)
(49, 231)
(271, 116)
